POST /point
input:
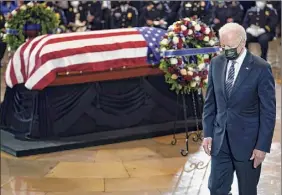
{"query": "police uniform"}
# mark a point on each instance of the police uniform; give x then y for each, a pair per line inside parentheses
(226, 10)
(155, 13)
(198, 9)
(92, 9)
(124, 16)
(174, 7)
(76, 18)
(262, 18)
(2, 44)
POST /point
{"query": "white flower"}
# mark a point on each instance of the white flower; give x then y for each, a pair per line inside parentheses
(193, 84)
(207, 31)
(30, 4)
(183, 39)
(163, 49)
(171, 34)
(190, 73)
(183, 28)
(23, 7)
(206, 80)
(6, 25)
(197, 79)
(206, 56)
(171, 27)
(194, 23)
(9, 48)
(212, 42)
(48, 8)
(206, 39)
(14, 12)
(164, 42)
(201, 66)
(190, 69)
(174, 76)
(187, 19)
(183, 72)
(190, 32)
(4, 36)
(173, 61)
(175, 40)
(198, 27)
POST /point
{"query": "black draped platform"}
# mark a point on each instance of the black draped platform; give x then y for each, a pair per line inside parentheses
(87, 114)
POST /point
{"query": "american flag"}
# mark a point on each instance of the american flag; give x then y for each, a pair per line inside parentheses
(37, 62)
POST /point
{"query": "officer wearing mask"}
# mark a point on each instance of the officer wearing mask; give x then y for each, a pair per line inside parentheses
(277, 6)
(197, 9)
(155, 14)
(2, 31)
(260, 23)
(225, 12)
(93, 14)
(124, 16)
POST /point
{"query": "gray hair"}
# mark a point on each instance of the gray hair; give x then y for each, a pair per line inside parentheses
(233, 28)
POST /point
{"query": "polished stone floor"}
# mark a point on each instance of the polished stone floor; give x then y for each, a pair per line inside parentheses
(143, 167)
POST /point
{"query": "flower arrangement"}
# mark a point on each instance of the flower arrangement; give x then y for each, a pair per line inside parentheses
(187, 73)
(28, 21)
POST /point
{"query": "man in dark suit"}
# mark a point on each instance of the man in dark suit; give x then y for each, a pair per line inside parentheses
(239, 114)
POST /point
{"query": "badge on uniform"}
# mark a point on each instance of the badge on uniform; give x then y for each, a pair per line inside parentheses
(267, 13)
(129, 15)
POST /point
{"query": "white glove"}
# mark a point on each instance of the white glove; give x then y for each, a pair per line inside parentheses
(252, 31)
(261, 31)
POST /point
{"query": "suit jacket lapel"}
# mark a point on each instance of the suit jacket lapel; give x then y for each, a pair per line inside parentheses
(223, 77)
(243, 72)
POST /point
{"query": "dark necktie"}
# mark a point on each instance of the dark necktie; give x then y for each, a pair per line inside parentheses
(230, 79)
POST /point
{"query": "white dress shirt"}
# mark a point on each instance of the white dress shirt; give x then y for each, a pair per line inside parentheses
(237, 65)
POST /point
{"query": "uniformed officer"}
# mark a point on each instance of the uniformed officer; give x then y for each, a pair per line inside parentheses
(174, 7)
(2, 31)
(93, 14)
(124, 16)
(156, 14)
(227, 11)
(76, 17)
(276, 5)
(198, 9)
(260, 23)
(60, 14)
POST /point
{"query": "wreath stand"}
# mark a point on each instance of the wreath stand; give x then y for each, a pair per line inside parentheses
(197, 135)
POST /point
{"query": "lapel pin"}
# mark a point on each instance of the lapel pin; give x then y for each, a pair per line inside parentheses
(247, 68)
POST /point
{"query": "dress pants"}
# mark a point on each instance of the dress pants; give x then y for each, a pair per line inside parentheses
(223, 167)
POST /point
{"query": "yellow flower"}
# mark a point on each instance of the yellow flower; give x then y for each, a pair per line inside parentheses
(174, 76)
(58, 16)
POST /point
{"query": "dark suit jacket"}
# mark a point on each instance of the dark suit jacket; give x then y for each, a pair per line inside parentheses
(248, 115)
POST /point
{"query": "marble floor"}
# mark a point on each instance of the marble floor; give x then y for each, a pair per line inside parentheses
(142, 167)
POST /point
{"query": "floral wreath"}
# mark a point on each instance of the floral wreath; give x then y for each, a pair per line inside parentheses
(29, 21)
(187, 73)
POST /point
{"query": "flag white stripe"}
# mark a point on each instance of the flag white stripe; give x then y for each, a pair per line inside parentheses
(83, 58)
(8, 75)
(47, 38)
(18, 65)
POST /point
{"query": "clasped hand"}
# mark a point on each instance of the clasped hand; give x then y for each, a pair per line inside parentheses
(255, 32)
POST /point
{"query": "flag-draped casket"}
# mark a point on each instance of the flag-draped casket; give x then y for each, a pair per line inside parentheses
(37, 62)
(125, 103)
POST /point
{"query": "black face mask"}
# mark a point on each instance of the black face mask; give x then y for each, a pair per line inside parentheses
(231, 54)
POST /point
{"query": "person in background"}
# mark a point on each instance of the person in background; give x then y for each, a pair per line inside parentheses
(93, 14)
(174, 7)
(247, 5)
(155, 14)
(225, 12)
(60, 14)
(76, 17)
(2, 43)
(197, 9)
(260, 23)
(6, 7)
(277, 6)
(124, 16)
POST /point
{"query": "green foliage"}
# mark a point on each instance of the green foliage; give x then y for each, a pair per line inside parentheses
(33, 13)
